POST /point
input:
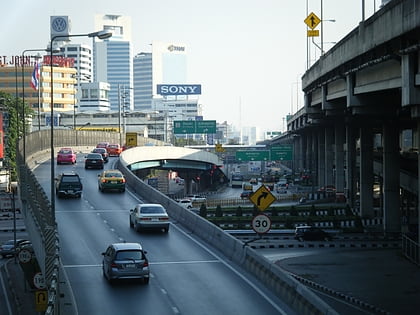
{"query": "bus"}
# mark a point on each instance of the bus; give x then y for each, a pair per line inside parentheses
(236, 181)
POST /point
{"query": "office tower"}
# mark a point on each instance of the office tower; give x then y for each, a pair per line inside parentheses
(82, 55)
(113, 62)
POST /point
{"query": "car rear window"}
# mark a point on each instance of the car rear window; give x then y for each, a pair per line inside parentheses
(152, 210)
(70, 179)
(112, 175)
(129, 254)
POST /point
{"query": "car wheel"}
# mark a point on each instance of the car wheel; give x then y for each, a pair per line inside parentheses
(131, 224)
(123, 190)
(146, 280)
(166, 230)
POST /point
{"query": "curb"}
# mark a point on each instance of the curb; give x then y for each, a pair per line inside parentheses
(330, 245)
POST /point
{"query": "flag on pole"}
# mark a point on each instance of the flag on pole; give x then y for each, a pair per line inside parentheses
(35, 77)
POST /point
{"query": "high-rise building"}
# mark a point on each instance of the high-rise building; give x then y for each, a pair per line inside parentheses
(166, 64)
(113, 62)
(82, 55)
(143, 81)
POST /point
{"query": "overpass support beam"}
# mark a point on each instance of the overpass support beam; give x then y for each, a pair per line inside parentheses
(351, 175)
(329, 156)
(339, 156)
(391, 179)
(366, 172)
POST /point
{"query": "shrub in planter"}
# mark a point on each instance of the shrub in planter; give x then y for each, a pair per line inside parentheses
(274, 212)
(293, 211)
(239, 211)
(203, 210)
(219, 212)
(312, 212)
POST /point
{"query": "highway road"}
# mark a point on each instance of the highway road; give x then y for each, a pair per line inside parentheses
(187, 276)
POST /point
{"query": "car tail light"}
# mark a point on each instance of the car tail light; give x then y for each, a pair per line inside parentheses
(145, 219)
(123, 180)
(146, 263)
(114, 265)
(163, 219)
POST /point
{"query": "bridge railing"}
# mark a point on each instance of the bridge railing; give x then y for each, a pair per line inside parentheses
(411, 249)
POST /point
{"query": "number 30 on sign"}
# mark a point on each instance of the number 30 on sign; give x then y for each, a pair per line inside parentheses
(261, 224)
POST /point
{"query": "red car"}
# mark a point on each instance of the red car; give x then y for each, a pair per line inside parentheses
(66, 155)
(102, 145)
(114, 149)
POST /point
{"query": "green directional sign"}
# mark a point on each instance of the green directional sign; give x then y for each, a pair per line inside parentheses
(194, 126)
(282, 152)
(184, 126)
(205, 126)
(252, 155)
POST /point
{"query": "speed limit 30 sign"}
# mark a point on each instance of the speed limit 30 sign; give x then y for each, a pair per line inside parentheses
(261, 223)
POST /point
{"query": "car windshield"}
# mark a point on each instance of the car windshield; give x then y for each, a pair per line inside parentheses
(129, 254)
(152, 210)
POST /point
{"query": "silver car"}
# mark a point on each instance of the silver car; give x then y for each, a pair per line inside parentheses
(149, 216)
(125, 261)
(8, 247)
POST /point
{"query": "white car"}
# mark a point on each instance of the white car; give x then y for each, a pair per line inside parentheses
(186, 203)
(149, 216)
(196, 198)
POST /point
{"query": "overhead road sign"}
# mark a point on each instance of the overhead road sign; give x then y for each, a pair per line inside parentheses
(205, 126)
(262, 198)
(281, 152)
(254, 155)
(194, 126)
(312, 20)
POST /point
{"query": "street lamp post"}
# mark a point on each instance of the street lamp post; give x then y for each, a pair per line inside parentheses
(101, 35)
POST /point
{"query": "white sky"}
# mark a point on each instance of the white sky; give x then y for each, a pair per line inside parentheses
(248, 55)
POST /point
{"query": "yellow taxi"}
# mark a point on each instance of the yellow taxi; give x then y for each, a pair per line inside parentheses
(111, 180)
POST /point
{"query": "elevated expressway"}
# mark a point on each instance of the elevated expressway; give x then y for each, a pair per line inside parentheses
(360, 122)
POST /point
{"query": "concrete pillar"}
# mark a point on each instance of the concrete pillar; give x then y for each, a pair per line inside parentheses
(329, 156)
(418, 176)
(321, 157)
(309, 152)
(339, 157)
(351, 174)
(366, 172)
(391, 179)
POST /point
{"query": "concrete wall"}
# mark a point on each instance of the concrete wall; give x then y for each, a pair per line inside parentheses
(290, 291)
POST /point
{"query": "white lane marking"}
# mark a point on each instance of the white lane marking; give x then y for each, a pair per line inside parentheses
(252, 285)
(154, 263)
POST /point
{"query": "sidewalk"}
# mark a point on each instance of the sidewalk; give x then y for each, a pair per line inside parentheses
(381, 280)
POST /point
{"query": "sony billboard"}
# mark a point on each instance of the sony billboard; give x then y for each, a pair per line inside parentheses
(179, 89)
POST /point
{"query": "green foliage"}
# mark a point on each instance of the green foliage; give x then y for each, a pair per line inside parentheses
(312, 212)
(255, 211)
(203, 210)
(219, 212)
(348, 210)
(239, 211)
(274, 212)
(13, 109)
(293, 211)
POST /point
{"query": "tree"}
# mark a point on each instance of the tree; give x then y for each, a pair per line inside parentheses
(219, 212)
(13, 124)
